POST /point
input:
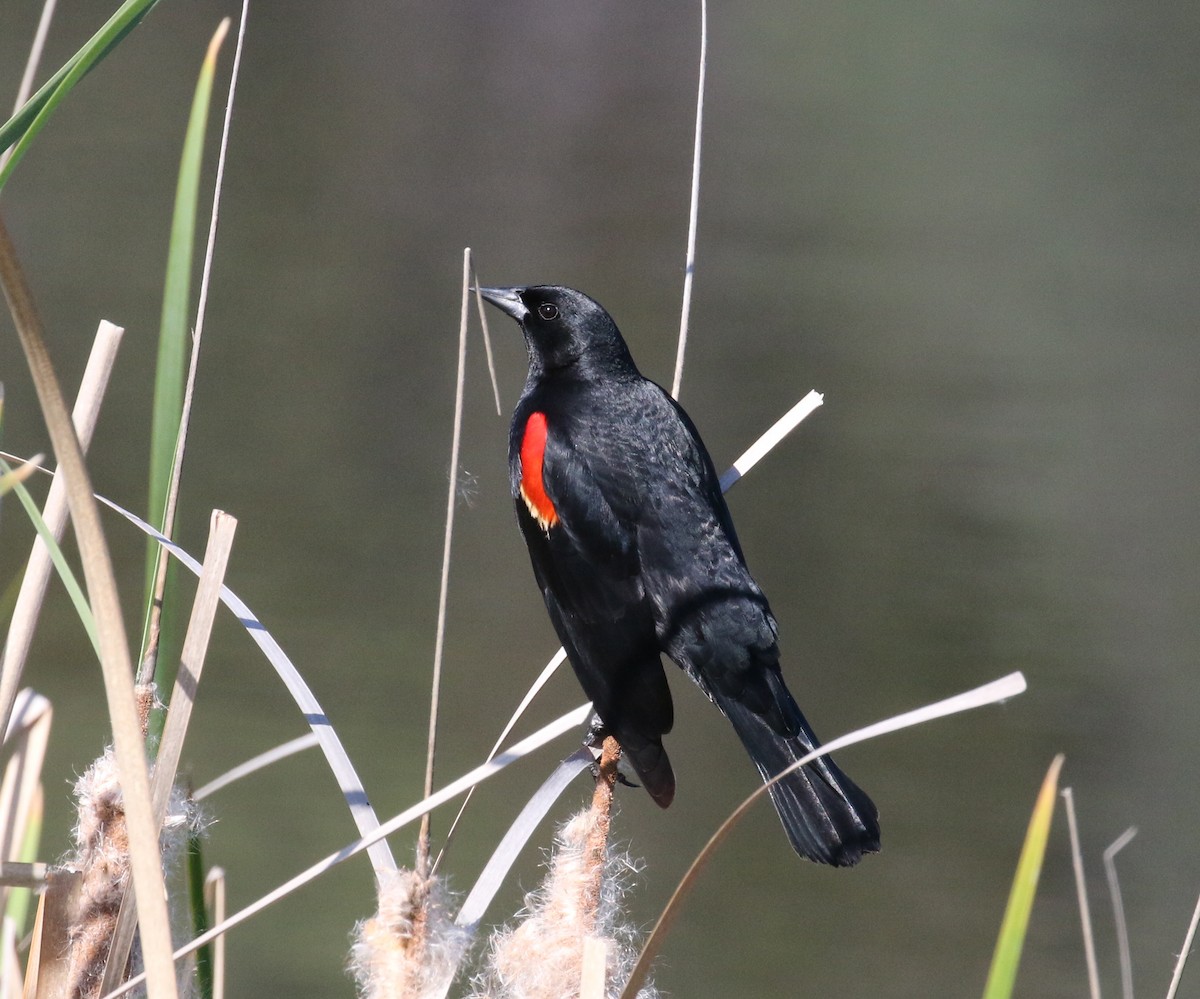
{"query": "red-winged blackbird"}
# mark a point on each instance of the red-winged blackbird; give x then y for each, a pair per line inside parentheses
(635, 553)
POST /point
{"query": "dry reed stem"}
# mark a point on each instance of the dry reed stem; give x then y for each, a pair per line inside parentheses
(1114, 889)
(31, 65)
(444, 585)
(37, 571)
(49, 952)
(989, 693)
(113, 643)
(21, 797)
(1085, 912)
(595, 968)
(214, 899)
(1184, 953)
(597, 842)
(183, 698)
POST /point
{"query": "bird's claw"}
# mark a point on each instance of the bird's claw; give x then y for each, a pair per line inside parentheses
(593, 742)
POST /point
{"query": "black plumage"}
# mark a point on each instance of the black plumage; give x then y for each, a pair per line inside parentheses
(636, 555)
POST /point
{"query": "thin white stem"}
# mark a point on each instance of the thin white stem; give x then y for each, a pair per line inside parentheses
(219, 186)
(1177, 977)
(256, 763)
(694, 208)
(1114, 891)
(547, 671)
(214, 895)
(451, 502)
(487, 342)
(31, 64)
(1085, 914)
(35, 54)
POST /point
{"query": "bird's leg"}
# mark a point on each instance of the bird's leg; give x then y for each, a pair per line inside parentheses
(594, 741)
(595, 735)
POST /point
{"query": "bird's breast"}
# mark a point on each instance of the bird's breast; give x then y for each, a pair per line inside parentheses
(532, 485)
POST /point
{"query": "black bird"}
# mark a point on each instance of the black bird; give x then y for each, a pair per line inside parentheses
(635, 553)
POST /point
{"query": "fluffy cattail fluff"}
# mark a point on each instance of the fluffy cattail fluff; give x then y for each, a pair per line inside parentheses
(410, 948)
(102, 854)
(541, 956)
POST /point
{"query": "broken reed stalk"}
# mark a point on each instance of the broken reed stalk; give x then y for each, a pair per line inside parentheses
(48, 966)
(54, 513)
(183, 698)
(214, 897)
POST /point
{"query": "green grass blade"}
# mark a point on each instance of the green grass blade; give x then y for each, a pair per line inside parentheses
(74, 590)
(1002, 977)
(200, 920)
(171, 371)
(20, 130)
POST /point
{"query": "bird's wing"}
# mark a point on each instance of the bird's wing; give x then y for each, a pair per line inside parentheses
(587, 566)
(710, 615)
(591, 540)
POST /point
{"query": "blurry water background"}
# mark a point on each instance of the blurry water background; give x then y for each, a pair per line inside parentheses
(974, 227)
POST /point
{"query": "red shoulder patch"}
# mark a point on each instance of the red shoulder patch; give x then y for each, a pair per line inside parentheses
(533, 489)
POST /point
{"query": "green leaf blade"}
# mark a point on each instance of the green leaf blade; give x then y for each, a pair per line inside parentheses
(1006, 959)
(171, 370)
(22, 128)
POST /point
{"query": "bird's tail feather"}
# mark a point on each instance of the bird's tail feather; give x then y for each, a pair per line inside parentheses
(650, 763)
(827, 817)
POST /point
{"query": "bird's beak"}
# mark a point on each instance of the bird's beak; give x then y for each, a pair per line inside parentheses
(506, 300)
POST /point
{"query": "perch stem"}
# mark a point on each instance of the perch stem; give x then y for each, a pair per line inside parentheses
(597, 844)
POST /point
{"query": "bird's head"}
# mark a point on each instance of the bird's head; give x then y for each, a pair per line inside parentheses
(564, 330)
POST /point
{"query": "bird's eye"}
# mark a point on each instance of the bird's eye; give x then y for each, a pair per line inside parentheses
(548, 311)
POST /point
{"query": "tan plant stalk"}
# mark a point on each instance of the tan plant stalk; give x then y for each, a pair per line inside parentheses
(114, 646)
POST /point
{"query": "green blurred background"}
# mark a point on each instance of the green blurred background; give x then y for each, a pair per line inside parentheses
(974, 227)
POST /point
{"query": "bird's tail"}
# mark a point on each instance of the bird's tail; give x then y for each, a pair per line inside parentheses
(826, 816)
